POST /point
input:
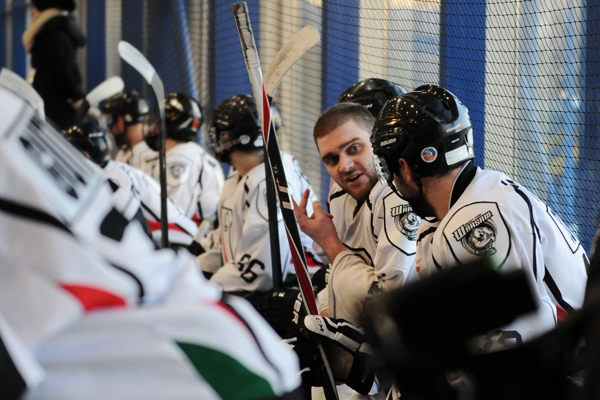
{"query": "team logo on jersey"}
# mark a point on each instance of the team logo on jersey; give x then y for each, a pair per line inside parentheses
(429, 154)
(478, 230)
(178, 170)
(400, 223)
(478, 235)
(406, 220)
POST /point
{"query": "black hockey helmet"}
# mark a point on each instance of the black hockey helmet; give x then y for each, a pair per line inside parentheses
(128, 104)
(91, 139)
(429, 127)
(372, 93)
(183, 117)
(235, 125)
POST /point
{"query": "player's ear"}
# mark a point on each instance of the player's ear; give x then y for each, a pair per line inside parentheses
(405, 171)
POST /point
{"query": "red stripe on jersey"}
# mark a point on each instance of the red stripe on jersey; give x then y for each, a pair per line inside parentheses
(561, 314)
(93, 298)
(230, 311)
(311, 261)
(156, 225)
(197, 219)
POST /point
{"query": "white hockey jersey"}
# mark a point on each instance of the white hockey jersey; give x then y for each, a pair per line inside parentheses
(147, 189)
(111, 317)
(242, 238)
(135, 156)
(380, 235)
(194, 179)
(491, 215)
(140, 155)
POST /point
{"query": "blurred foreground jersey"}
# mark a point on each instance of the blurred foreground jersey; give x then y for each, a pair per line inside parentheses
(111, 317)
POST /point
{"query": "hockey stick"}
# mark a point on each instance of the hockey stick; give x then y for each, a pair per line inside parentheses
(240, 12)
(104, 90)
(21, 87)
(301, 42)
(298, 45)
(137, 60)
(89, 105)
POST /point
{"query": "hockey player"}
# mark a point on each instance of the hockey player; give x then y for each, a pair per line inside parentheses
(425, 143)
(111, 317)
(242, 240)
(93, 141)
(194, 177)
(370, 241)
(126, 116)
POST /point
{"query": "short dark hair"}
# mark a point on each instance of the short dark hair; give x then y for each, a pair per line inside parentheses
(341, 113)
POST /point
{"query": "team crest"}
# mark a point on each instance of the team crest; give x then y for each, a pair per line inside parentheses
(478, 230)
(406, 221)
(478, 235)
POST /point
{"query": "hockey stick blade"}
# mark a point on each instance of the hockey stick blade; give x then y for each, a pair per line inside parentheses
(240, 11)
(104, 90)
(298, 45)
(133, 57)
(22, 88)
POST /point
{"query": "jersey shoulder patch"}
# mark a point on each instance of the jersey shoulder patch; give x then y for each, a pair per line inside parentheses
(399, 218)
(478, 230)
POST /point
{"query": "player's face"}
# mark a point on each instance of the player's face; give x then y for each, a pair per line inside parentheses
(348, 156)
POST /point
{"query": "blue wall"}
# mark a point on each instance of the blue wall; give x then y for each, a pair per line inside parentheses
(462, 62)
(229, 74)
(340, 28)
(96, 48)
(20, 11)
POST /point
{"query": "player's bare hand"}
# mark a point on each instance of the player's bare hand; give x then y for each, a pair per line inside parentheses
(303, 203)
(319, 227)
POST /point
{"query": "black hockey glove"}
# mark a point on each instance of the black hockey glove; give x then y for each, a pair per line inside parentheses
(307, 351)
(320, 278)
(283, 310)
(346, 348)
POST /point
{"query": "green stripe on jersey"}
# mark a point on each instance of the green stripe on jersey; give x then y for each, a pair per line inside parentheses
(227, 376)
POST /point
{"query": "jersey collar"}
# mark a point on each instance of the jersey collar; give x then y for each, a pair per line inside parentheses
(462, 181)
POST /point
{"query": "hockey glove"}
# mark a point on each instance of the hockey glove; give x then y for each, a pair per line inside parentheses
(320, 278)
(283, 310)
(347, 350)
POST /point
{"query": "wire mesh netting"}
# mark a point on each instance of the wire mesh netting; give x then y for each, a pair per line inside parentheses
(527, 70)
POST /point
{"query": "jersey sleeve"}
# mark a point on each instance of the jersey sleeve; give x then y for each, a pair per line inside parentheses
(395, 227)
(181, 229)
(354, 277)
(210, 261)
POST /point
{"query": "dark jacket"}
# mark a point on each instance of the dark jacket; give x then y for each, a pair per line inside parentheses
(57, 78)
